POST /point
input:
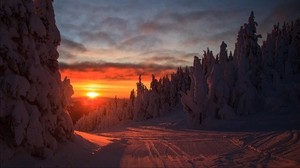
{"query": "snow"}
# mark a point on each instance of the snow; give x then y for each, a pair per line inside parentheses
(19, 121)
(245, 106)
(34, 130)
(96, 139)
(256, 78)
(37, 26)
(33, 98)
(15, 85)
(169, 142)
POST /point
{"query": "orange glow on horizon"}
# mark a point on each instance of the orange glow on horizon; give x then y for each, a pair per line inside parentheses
(106, 82)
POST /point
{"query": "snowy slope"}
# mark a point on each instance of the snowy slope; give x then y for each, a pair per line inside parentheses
(77, 153)
(167, 142)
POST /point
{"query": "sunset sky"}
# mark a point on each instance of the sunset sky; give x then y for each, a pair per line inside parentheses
(106, 44)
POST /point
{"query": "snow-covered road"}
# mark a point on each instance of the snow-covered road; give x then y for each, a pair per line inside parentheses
(154, 146)
(157, 146)
(165, 143)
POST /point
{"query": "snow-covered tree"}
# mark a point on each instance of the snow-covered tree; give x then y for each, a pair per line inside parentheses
(141, 101)
(33, 99)
(109, 114)
(162, 97)
(248, 65)
(253, 79)
(281, 65)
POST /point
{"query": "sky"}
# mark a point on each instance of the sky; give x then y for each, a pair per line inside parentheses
(106, 44)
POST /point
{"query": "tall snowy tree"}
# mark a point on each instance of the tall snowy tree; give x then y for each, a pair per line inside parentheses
(195, 100)
(33, 99)
(281, 65)
(163, 95)
(248, 64)
(252, 80)
(141, 101)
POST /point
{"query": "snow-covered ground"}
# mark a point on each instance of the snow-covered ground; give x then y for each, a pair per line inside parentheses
(168, 142)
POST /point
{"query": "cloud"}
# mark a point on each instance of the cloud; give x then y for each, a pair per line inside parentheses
(66, 55)
(110, 31)
(100, 65)
(228, 36)
(193, 41)
(168, 60)
(190, 56)
(116, 71)
(187, 17)
(72, 45)
(100, 38)
(284, 12)
(114, 24)
(139, 43)
(144, 30)
(157, 27)
(69, 49)
(189, 30)
(176, 21)
(173, 58)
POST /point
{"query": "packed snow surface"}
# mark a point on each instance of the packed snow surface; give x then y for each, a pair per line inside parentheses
(168, 142)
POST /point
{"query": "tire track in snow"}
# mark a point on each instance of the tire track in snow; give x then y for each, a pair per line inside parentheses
(268, 154)
(181, 156)
(184, 157)
(151, 156)
(155, 156)
(161, 147)
(177, 157)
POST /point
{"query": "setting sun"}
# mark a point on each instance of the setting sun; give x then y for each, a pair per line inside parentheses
(92, 94)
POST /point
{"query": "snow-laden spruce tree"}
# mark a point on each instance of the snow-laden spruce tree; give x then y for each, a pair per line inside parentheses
(107, 115)
(162, 97)
(33, 99)
(281, 66)
(141, 101)
(247, 56)
(226, 84)
(252, 80)
(195, 100)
